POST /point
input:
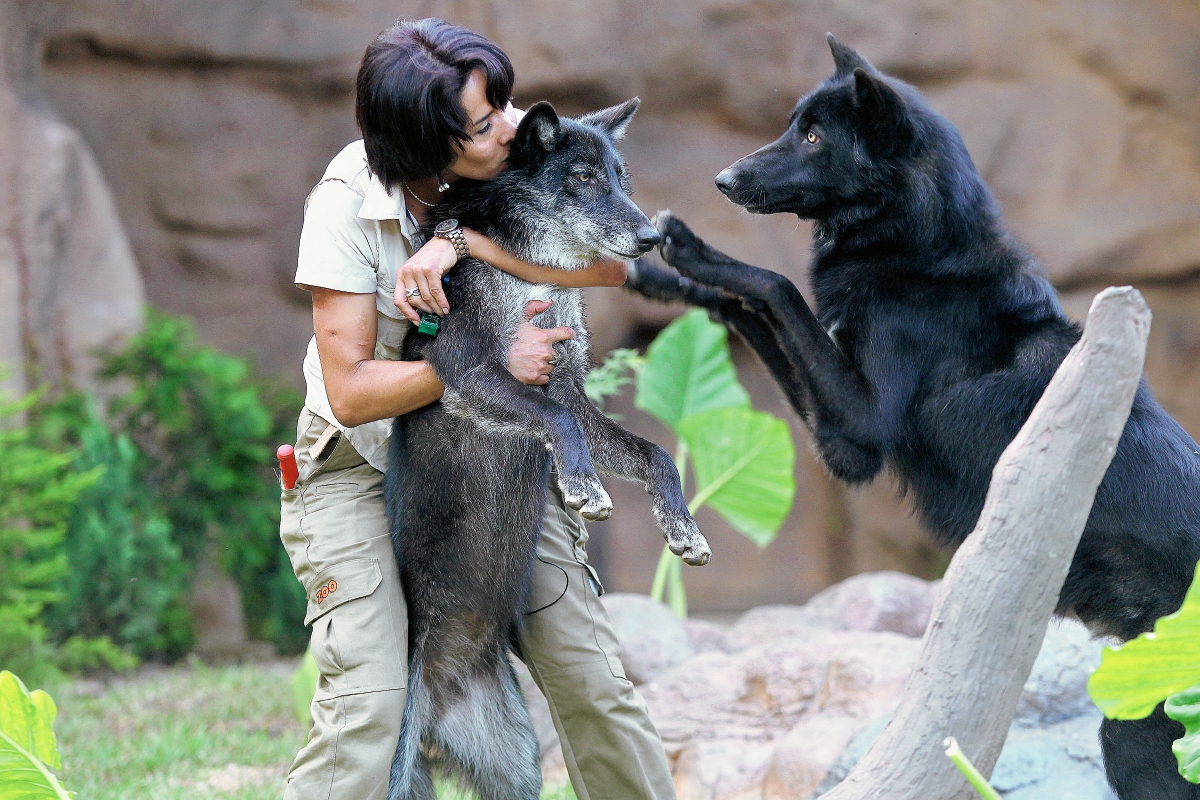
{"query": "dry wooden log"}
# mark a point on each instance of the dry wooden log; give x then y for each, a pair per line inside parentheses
(1004, 581)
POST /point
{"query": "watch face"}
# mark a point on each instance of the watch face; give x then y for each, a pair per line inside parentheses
(446, 225)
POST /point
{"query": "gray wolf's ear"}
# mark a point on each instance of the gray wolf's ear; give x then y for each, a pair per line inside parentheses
(539, 129)
(614, 120)
(845, 58)
(879, 105)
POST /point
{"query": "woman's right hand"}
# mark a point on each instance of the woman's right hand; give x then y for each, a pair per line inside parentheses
(532, 357)
(424, 271)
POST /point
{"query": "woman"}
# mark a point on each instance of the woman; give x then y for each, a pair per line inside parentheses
(433, 107)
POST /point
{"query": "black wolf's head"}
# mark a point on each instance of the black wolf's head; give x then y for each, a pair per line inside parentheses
(564, 200)
(859, 141)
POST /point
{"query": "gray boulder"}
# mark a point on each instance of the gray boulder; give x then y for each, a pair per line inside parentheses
(652, 638)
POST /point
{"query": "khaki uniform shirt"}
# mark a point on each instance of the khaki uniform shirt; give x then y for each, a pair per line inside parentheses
(355, 235)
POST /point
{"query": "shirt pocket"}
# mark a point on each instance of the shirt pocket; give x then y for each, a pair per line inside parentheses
(341, 583)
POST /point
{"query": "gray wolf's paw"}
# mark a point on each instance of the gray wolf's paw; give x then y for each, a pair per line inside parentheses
(586, 494)
(686, 540)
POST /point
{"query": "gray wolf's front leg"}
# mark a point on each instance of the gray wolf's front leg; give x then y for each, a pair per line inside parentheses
(625, 455)
(491, 397)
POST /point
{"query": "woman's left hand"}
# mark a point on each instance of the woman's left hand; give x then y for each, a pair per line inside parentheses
(423, 272)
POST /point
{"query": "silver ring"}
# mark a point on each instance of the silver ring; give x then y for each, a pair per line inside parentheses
(552, 361)
(413, 292)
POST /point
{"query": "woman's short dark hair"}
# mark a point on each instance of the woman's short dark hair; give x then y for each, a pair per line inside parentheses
(409, 88)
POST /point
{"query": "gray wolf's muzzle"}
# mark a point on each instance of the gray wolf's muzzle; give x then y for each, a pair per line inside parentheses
(647, 237)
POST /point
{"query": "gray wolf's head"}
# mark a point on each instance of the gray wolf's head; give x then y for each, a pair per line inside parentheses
(859, 141)
(571, 182)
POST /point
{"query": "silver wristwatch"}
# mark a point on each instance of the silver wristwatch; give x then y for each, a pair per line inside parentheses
(450, 230)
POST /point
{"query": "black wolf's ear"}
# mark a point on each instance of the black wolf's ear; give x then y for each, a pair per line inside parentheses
(845, 58)
(614, 120)
(539, 131)
(878, 104)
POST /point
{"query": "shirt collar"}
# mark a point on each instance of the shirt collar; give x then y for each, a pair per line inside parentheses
(379, 203)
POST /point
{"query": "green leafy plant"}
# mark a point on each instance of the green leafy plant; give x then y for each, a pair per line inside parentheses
(205, 431)
(126, 575)
(38, 489)
(612, 376)
(743, 460)
(1135, 677)
(28, 751)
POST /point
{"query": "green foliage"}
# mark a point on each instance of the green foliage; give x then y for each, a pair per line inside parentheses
(81, 654)
(38, 490)
(744, 460)
(127, 576)
(612, 376)
(1135, 677)
(688, 371)
(1184, 707)
(304, 687)
(205, 431)
(28, 751)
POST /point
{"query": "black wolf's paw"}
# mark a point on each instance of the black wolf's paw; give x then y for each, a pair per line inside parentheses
(656, 283)
(687, 252)
(586, 494)
(684, 538)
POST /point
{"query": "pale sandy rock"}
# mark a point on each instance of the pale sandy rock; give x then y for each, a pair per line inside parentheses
(1057, 685)
(722, 716)
(652, 638)
(705, 635)
(875, 601)
(766, 623)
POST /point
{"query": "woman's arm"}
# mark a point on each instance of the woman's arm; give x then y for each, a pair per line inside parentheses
(360, 388)
(424, 271)
(363, 389)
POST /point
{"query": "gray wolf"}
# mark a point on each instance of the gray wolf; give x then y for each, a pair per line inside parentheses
(467, 476)
(934, 335)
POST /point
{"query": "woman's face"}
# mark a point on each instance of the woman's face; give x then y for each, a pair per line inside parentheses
(485, 154)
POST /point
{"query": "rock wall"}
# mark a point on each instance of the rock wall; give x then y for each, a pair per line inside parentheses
(212, 121)
(68, 279)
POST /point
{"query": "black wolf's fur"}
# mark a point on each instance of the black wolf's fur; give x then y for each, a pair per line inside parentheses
(466, 483)
(935, 334)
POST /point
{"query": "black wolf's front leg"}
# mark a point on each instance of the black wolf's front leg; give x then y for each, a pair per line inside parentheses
(628, 456)
(490, 396)
(844, 412)
(753, 325)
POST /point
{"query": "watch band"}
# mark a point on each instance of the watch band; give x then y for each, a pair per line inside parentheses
(451, 231)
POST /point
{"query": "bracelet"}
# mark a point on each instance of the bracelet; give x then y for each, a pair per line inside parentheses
(450, 230)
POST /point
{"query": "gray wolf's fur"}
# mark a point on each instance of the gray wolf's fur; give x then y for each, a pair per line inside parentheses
(466, 486)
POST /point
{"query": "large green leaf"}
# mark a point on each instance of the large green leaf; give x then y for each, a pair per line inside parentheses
(1184, 707)
(27, 748)
(744, 464)
(1134, 678)
(688, 371)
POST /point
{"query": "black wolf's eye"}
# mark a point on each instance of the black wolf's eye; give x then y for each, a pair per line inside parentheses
(583, 176)
(812, 138)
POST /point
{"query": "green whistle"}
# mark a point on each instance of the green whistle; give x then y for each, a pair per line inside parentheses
(429, 323)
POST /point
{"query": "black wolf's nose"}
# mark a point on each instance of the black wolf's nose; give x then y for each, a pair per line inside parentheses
(647, 237)
(725, 180)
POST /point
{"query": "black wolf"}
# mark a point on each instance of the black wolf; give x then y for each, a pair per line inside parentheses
(466, 484)
(935, 334)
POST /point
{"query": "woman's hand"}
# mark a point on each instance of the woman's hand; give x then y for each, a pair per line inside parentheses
(532, 357)
(424, 271)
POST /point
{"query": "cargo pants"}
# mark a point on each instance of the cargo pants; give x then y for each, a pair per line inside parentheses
(334, 527)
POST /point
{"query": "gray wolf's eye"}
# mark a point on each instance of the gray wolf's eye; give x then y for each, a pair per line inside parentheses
(583, 176)
(812, 138)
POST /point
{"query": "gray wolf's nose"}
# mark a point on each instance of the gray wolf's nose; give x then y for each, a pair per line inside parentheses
(725, 180)
(647, 237)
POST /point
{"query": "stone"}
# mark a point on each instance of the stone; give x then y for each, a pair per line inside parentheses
(69, 283)
(724, 717)
(705, 636)
(652, 638)
(1057, 685)
(875, 601)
